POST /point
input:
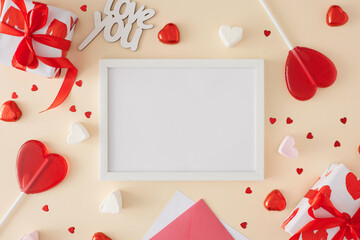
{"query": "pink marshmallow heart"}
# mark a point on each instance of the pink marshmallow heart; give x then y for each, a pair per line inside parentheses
(287, 147)
(31, 236)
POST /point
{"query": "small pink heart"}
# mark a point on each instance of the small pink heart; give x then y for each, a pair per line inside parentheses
(31, 236)
(287, 147)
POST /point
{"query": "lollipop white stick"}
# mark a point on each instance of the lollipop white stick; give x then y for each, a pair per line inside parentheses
(12, 208)
(276, 24)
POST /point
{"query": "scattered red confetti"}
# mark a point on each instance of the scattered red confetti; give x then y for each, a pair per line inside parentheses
(83, 8)
(88, 114)
(299, 171)
(243, 225)
(45, 208)
(248, 190)
(309, 136)
(289, 121)
(267, 33)
(337, 144)
(79, 83)
(72, 108)
(34, 88)
(343, 120)
(14, 95)
(272, 120)
(71, 230)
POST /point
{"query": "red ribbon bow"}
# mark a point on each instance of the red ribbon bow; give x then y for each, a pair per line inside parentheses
(25, 55)
(349, 227)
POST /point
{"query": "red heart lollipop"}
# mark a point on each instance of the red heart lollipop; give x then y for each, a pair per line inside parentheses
(38, 170)
(169, 34)
(336, 16)
(275, 201)
(100, 236)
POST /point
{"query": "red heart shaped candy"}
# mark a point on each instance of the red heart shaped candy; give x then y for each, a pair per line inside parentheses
(306, 70)
(38, 170)
(100, 236)
(10, 112)
(336, 16)
(169, 34)
(275, 201)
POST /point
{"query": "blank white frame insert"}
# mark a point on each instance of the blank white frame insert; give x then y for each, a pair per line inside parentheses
(181, 120)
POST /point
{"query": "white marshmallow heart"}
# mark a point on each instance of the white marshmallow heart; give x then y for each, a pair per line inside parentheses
(287, 147)
(31, 236)
(230, 36)
(112, 204)
(78, 133)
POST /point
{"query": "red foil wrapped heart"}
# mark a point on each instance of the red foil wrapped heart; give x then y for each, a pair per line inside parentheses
(38, 170)
(100, 236)
(336, 16)
(275, 201)
(10, 112)
(169, 34)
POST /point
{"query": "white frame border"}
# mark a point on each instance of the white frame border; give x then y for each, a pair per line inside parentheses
(105, 174)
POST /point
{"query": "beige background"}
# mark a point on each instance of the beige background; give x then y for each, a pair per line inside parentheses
(75, 201)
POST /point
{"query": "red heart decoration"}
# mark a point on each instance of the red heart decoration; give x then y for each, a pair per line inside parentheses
(88, 114)
(72, 108)
(289, 121)
(14, 95)
(299, 171)
(343, 120)
(337, 144)
(248, 190)
(10, 112)
(169, 34)
(38, 170)
(243, 225)
(293, 214)
(100, 236)
(34, 88)
(79, 83)
(272, 120)
(267, 33)
(319, 235)
(83, 8)
(275, 201)
(306, 70)
(353, 185)
(71, 230)
(45, 208)
(309, 136)
(336, 16)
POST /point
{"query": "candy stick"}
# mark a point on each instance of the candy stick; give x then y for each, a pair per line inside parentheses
(276, 25)
(12, 208)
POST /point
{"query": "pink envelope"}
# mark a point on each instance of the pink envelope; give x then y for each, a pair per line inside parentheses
(197, 223)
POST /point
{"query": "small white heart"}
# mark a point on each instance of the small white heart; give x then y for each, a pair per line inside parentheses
(31, 236)
(230, 36)
(78, 133)
(287, 147)
(112, 204)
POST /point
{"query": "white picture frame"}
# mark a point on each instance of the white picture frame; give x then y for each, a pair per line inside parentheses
(125, 81)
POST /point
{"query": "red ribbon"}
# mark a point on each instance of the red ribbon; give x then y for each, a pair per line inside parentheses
(349, 227)
(25, 55)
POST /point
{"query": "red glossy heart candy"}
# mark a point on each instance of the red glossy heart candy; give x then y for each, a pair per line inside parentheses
(10, 112)
(100, 236)
(38, 170)
(306, 70)
(336, 16)
(169, 34)
(275, 201)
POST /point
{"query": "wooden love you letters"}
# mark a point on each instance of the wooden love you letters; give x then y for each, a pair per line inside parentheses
(117, 11)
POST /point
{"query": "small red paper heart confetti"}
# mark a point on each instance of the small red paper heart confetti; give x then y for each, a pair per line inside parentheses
(88, 114)
(337, 144)
(14, 95)
(289, 121)
(309, 136)
(10, 112)
(243, 225)
(34, 88)
(275, 201)
(336, 16)
(169, 34)
(272, 120)
(100, 236)
(299, 171)
(71, 230)
(79, 83)
(83, 8)
(72, 108)
(267, 33)
(343, 120)
(248, 190)
(45, 208)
